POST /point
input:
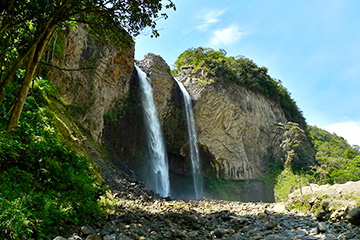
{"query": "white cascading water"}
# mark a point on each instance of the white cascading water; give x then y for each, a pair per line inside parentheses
(194, 150)
(160, 170)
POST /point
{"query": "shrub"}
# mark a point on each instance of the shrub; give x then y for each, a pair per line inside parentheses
(45, 186)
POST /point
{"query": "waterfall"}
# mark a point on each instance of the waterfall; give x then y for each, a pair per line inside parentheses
(194, 150)
(160, 182)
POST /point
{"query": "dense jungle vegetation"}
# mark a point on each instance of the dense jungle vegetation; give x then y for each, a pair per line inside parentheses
(45, 185)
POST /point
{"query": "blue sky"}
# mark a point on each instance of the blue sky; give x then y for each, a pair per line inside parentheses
(312, 46)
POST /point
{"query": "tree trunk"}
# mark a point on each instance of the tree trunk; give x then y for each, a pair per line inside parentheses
(33, 62)
(21, 97)
(10, 77)
(35, 46)
(35, 54)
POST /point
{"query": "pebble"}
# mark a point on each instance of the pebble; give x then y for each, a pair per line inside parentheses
(322, 227)
(141, 214)
(314, 231)
(87, 230)
(192, 234)
(59, 238)
(262, 216)
(271, 225)
(219, 233)
(106, 229)
(94, 237)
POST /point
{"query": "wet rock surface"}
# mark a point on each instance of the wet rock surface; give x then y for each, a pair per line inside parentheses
(135, 213)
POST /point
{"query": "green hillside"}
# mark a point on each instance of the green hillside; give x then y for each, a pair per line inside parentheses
(240, 70)
(338, 162)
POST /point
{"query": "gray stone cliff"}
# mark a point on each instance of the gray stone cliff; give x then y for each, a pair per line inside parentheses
(91, 76)
(236, 127)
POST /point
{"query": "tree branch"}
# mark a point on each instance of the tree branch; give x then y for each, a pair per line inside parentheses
(77, 69)
(67, 69)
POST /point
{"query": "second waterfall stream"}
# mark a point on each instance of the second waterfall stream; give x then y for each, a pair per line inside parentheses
(160, 181)
(194, 150)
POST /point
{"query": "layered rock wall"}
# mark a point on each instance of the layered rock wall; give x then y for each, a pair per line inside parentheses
(125, 136)
(98, 84)
(236, 127)
(91, 77)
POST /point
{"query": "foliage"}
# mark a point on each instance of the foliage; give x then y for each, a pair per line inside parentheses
(287, 181)
(43, 183)
(295, 146)
(117, 113)
(28, 27)
(242, 71)
(330, 145)
(337, 162)
(293, 136)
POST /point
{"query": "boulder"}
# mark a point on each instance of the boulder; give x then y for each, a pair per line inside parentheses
(87, 230)
(107, 229)
(354, 216)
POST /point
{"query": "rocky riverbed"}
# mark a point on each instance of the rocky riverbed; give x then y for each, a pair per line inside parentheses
(135, 213)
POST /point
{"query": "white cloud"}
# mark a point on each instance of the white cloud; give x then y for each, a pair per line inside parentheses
(226, 36)
(348, 130)
(208, 17)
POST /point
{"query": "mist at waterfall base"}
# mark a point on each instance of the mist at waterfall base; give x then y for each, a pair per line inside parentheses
(194, 151)
(159, 170)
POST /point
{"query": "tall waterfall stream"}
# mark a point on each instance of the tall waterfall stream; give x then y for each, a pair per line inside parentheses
(194, 150)
(160, 182)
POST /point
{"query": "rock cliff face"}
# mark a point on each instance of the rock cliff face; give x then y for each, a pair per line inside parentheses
(236, 127)
(98, 83)
(124, 135)
(170, 107)
(162, 82)
(102, 76)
